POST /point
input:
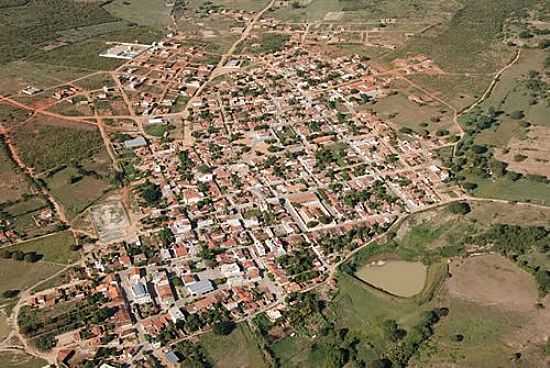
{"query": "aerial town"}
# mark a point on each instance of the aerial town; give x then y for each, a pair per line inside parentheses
(280, 155)
(240, 184)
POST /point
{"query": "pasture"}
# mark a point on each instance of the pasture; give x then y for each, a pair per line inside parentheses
(45, 144)
(239, 349)
(13, 182)
(75, 190)
(55, 248)
(492, 314)
(21, 275)
(152, 13)
(20, 360)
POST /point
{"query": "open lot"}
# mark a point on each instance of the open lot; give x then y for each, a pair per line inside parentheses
(153, 13)
(402, 112)
(55, 248)
(45, 144)
(110, 221)
(76, 196)
(13, 183)
(240, 349)
(360, 10)
(490, 280)
(21, 275)
(492, 306)
(20, 360)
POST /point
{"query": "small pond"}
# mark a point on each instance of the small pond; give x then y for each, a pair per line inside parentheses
(400, 278)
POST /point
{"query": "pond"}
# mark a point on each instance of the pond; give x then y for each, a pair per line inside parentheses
(400, 278)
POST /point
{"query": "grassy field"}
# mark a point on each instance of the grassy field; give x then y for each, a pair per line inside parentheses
(76, 197)
(45, 145)
(469, 43)
(404, 113)
(239, 349)
(483, 328)
(21, 275)
(20, 36)
(55, 248)
(509, 214)
(360, 10)
(460, 91)
(247, 5)
(85, 54)
(523, 190)
(13, 183)
(152, 13)
(20, 360)
(492, 307)
(17, 75)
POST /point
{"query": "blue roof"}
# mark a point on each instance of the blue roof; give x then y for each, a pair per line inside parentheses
(139, 289)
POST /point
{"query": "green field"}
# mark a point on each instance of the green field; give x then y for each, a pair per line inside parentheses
(151, 13)
(484, 328)
(404, 113)
(45, 146)
(21, 275)
(76, 197)
(13, 182)
(239, 349)
(360, 10)
(523, 190)
(20, 36)
(20, 360)
(55, 248)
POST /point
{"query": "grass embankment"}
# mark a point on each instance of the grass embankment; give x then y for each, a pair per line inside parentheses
(238, 349)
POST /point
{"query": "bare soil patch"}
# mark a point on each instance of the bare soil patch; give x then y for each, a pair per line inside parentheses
(493, 280)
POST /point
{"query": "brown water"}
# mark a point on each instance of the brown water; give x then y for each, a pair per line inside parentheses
(400, 278)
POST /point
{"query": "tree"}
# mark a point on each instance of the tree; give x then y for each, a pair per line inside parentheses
(18, 255)
(517, 115)
(469, 186)
(166, 236)
(151, 193)
(459, 208)
(224, 328)
(46, 342)
(32, 257)
(11, 293)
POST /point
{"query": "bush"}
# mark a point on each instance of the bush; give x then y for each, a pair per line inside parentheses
(459, 208)
(32, 257)
(517, 115)
(224, 328)
(11, 293)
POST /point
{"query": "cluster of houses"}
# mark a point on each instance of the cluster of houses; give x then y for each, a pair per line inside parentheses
(286, 156)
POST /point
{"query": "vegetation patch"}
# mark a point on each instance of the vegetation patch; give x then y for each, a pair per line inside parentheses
(20, 275)
(47, 145)
(20, 360)
(238, 349)
(56, 248)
